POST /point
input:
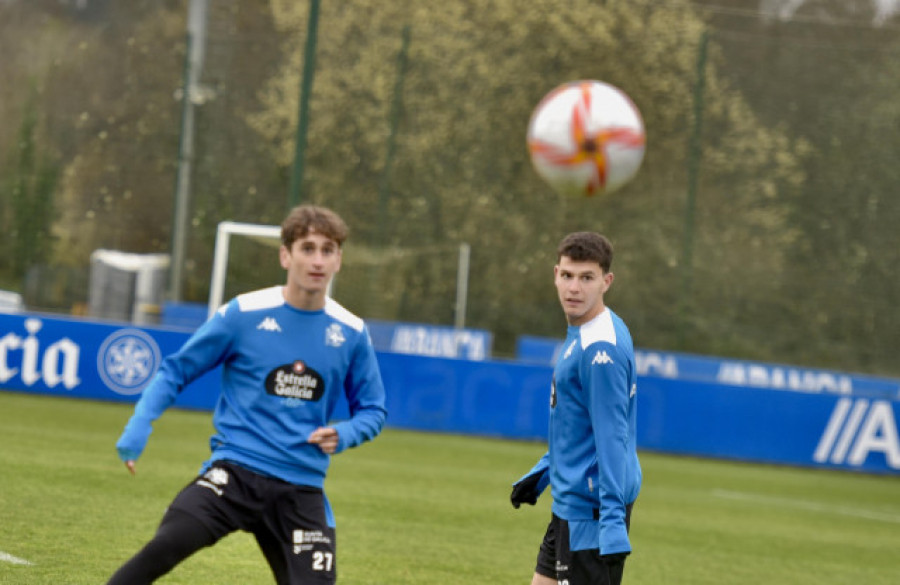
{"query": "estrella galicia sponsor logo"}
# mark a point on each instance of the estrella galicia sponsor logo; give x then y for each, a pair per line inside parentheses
(127, 361)
(295, 381)
(857, 428)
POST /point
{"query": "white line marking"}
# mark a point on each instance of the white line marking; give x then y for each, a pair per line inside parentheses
(812, 506)
(8, 558)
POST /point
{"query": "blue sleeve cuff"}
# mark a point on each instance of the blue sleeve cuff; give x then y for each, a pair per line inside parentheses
(134, 438)
(542, 467)
(127, 454)
(614, 539)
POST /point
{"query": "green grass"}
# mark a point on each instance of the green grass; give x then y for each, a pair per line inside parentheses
(427, 509)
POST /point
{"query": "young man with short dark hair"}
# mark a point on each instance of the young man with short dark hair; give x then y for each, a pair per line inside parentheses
(592, 464)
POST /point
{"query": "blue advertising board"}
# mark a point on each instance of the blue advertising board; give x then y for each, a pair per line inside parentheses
(86, 359)
(854, 429)
(430, 340)
(772, 426)
(730, 372)
(461, 396)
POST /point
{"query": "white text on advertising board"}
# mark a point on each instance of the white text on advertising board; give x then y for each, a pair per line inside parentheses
(56, 364)
(856, 429)
(439, 343)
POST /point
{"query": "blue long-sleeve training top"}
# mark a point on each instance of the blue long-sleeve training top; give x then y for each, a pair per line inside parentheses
(283, 372)
(593, 461)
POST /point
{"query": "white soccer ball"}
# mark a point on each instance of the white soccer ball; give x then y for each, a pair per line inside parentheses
(586, 138)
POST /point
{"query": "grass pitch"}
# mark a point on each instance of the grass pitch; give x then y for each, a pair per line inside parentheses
(426, 509)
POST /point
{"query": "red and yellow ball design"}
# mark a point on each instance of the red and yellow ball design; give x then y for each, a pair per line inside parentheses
(586, 138)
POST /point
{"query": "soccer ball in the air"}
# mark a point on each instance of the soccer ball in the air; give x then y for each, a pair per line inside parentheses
(586, 138)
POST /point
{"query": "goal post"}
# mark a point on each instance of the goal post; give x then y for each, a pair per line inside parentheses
(224, 231)
(270, 235)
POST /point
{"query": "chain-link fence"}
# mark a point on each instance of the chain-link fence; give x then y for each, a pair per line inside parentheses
(762, 224)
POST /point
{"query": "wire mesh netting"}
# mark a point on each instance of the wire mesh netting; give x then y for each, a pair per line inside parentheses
(761, 225)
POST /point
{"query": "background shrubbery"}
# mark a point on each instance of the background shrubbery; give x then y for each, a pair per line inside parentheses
(763, 224)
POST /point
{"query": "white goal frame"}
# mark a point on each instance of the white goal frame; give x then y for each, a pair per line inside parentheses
(226, 229)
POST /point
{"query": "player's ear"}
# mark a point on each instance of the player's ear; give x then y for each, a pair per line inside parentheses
(608, 280)
(284, 256)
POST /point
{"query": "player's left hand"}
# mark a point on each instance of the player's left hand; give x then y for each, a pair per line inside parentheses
(615, 566)
(326, 438)
(528, 489)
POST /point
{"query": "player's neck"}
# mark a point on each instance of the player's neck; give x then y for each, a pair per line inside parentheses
(304, 300)
(587, 317)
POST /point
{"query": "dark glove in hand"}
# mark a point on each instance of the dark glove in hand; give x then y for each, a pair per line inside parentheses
(525, 492)
(615, 565)
(614, 558)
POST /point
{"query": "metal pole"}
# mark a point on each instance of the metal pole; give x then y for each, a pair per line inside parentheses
(396, 106)
(306, 83)
(462, 284)
(196, 42)
(696, 153)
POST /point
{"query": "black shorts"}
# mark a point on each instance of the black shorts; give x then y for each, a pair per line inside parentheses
(583, 567)
(288, 521)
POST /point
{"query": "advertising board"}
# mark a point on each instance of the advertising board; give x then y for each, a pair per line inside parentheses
(840, 426)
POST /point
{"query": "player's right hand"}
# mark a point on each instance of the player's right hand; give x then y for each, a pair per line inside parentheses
(130, 465)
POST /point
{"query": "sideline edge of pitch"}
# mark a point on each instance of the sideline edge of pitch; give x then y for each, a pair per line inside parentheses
(810, 506)
(8, 558)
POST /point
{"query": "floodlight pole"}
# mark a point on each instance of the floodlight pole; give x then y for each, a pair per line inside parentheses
(396, 107)
(306, 82)
(196, 43)
(695, 153)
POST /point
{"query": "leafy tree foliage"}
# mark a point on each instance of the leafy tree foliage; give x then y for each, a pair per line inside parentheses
(476, 70)
(27, 185)
(418, 115)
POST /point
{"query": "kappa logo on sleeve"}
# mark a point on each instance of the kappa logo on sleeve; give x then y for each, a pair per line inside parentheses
(601, 358)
